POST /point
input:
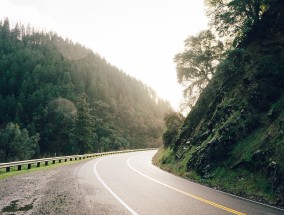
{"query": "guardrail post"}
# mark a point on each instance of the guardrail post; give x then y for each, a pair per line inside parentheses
(54, 159)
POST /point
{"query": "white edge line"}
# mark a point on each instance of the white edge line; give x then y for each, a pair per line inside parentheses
(112, 193)
(220, 191)
(245, 199)
(223, 192)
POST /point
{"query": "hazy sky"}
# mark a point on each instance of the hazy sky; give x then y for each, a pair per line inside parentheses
(139, 37)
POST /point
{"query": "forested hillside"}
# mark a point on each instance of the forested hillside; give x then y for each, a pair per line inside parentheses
(232, 139)
(59, 97)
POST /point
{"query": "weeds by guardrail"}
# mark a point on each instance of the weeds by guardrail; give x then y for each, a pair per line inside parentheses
(52, 160)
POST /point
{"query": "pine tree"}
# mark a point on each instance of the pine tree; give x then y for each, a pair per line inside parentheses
(84, 129)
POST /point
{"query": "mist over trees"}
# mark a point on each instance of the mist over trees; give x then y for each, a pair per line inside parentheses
(197, 64)
(66, 99)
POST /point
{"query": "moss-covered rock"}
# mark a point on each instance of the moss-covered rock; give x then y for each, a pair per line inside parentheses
(235, 132)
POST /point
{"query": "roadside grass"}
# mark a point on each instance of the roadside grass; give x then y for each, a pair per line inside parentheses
(244, 149)
(164, 158)
(14, 171)
(242, 182)
(239, 181)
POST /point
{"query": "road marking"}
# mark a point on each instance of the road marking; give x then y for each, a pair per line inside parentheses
(112, 193)
(183, 192)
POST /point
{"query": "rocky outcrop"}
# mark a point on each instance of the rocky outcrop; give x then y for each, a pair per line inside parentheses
(238, 121)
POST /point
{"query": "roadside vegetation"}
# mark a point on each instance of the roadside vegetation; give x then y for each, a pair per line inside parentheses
(232, 138)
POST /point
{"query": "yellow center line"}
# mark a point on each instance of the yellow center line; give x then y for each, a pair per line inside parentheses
(183, 192)
(202, 200)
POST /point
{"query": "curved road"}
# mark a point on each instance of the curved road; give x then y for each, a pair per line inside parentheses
(130, 184)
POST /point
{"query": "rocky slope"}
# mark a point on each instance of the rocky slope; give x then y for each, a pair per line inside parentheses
(233, 138)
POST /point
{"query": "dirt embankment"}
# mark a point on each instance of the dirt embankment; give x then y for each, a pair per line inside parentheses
(53, 191)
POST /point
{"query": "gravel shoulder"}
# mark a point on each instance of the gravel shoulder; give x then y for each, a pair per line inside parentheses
(53, 191)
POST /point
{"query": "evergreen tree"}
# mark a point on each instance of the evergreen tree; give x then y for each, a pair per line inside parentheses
(84, 128)
(173, 121)
(17, 144)
(37, 70)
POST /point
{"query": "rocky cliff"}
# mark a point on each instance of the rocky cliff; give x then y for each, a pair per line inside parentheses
(233, 138)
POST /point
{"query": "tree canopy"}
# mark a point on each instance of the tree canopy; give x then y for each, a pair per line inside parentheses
(173, 121)
(230, 22)
(16, 143)
(233, 19)
(197, 64)
(62, 92)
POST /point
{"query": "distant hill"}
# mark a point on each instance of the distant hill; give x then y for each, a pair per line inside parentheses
(62, 98)
(233, 138)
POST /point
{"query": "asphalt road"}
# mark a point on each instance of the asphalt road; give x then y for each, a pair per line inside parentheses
(130, 184)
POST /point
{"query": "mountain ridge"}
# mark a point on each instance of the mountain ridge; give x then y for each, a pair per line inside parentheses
(69, 100)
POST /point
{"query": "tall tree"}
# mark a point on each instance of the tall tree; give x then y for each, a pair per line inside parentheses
(84, 129)
(173, 121)
(17, 144)
(232, 19)
(197, 64)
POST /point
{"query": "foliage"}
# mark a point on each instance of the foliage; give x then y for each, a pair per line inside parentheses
(197, 64)
(233, 138)
(17, 144)
(173, 121)
(42, 80)
(233, 19)
(84, 134)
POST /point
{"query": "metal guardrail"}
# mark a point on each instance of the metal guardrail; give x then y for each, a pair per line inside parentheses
(46, 161)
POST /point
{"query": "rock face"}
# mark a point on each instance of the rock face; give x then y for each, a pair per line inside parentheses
(238, 121)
